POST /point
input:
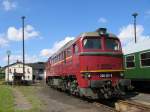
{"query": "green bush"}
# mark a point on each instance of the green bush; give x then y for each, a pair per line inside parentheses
(2, 75)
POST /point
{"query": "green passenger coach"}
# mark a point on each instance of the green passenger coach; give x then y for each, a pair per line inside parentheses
(137, 63)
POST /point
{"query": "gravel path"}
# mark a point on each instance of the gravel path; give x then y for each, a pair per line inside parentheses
(56, 101)
(21, 102)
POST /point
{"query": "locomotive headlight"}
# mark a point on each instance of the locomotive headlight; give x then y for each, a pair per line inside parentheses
(121, 74)
(89, 75)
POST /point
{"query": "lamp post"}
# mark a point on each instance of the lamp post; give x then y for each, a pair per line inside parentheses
(135, 15)
(23, 17)
(8, 54)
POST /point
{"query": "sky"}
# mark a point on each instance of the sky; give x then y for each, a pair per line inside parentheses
(49, 24)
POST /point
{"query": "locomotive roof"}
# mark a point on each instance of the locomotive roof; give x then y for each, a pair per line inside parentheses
(137, 47)
(95, 34)
(81, 35)
(64, 47)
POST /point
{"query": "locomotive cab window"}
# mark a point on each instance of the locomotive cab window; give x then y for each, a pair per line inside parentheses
(130, 61)
(92, 43)
(145, 59)
(112, 44)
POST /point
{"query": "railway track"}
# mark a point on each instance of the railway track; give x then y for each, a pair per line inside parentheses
(124, 106)
(137, 104)
(131, 106)
(111, 109)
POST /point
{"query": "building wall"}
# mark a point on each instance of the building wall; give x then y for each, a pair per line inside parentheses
(18, 68)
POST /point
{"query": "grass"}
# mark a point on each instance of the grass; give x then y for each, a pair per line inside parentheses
(7, 99)
(30, 93)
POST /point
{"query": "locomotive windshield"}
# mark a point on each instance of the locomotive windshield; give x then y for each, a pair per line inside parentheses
(91, 43)
(112, 44)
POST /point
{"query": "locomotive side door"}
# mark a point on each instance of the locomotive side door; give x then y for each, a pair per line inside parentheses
(75, 56)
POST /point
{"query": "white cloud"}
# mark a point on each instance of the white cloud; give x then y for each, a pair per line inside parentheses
(127, 34)
(8, 5)
(3, 41)
(16, 34)
(56, 46)
(46, 52)
(102, 20)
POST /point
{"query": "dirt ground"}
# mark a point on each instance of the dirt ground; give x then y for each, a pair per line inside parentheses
(56, 101)
(53, 100)
(20, 101)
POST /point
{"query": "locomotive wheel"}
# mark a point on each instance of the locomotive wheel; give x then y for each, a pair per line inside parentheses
(73, 88)
(106, 91)
(49, 82)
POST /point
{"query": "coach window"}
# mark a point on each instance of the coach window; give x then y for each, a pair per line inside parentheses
(130, 61)
(145, 59)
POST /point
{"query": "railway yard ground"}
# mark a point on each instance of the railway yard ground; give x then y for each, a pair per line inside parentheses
(41, 98)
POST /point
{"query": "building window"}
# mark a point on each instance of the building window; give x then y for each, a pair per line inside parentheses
(14, 70)
(41, 71)
(10, 71)
(28, 70)
(130, 61)
(145, 59)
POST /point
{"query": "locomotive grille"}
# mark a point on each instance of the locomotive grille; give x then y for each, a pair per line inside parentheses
(106, 66)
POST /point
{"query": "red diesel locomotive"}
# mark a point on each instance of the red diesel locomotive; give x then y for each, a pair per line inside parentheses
(90, 65)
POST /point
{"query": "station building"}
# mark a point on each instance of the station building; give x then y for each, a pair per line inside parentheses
(14, 72)
(33, 71)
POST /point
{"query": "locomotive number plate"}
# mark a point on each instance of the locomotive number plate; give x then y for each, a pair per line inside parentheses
(105, 75)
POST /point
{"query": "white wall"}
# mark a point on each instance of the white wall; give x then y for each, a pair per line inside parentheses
(19, 69)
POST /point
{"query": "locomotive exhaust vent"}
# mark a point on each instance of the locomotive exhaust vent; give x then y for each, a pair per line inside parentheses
(101, 31)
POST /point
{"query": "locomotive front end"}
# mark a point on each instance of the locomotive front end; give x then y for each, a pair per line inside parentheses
(101, 65)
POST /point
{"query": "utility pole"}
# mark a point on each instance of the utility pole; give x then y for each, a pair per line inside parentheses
(135, 15)
(23, 17)
(8, 54)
